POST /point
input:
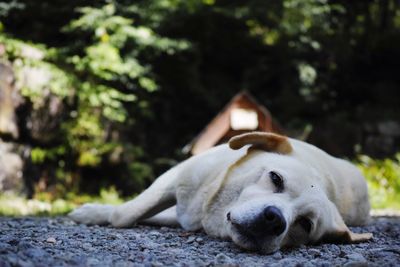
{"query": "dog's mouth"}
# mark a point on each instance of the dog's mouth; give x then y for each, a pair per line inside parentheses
(242, 236)
(244, 239)
(247, 241)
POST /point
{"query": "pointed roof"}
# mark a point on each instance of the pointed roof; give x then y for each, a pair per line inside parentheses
(242, 114)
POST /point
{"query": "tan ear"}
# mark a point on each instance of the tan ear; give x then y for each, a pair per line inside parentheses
(357, 238)
(336, 231)
(261, 140)
(345, 237)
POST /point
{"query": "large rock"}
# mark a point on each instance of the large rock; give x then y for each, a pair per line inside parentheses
(11, 166)
(8, 102)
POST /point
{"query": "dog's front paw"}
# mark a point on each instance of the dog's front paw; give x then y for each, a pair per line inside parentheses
(120, 218)
(92, 214)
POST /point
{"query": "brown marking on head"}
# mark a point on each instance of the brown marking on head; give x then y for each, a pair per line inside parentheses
(261, 140)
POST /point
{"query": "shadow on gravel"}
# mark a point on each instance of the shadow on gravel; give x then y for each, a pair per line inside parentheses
(61, 242)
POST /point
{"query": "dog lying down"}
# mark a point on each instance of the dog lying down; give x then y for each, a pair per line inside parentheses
(261, 190)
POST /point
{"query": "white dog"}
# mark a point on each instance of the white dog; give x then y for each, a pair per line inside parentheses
(263, 191)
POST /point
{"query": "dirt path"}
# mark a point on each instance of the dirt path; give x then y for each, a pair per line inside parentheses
(60, 242)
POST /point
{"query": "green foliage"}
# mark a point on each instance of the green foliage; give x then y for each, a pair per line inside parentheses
(35, 72)
(108, 64)
(383, 181)
(95, 81)
(112, 87)
(45, 204)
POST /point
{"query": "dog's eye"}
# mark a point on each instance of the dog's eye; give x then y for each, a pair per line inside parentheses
(305, 223)
(277, 180)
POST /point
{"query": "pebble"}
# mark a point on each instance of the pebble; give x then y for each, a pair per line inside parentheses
(155, 233)
(92, 262)
(314, 252)
(24, 245)
(355, 260)
(277, 255)
(51, 240)
(116, 236)
(25, 263)
(199, 240)
(35, 253)
(87, 246)
(11, 224)
(80, 245)
(4, 246)
(221, 258)
(28, 225)
(356, 257)
(190, 239)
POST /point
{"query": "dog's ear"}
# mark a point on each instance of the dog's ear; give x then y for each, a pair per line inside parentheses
(345, 236)
(338, 232)
(261, 140)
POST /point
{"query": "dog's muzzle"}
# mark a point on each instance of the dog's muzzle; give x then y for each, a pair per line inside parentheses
(268, 223)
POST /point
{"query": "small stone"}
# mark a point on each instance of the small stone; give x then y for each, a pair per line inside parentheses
(116, 236)
(356, 264)
(277, 255)
(199, 240)
(28, 225)
(12, 224)
(4, 246)
(356, 257)
(35, 253)
(175, 244)
(156, 264)
(87, 246)
(51, 221)
(24, 245)
(51, 240)
(24, 263)
(13, 241)
(69, 223)
(190, 239)
(356, 260)
(92, 262)
(222, 259)
(154, 233)
(43, 229)
(314, 252)
(324, 264)
(184, 234)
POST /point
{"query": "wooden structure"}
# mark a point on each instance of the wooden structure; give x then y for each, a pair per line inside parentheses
(242, 114)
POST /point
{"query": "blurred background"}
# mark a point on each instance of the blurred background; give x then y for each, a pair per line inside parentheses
(97, 98)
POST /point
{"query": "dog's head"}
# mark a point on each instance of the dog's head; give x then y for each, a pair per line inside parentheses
(281, 203)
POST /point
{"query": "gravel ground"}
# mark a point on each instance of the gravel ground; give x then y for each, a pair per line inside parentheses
(61, 242)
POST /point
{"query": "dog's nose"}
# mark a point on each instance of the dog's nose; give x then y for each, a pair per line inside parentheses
(269, 222)
(275, 219)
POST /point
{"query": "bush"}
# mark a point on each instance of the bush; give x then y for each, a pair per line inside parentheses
(45, 204)
(82, 99)
(110, 88)
(383, 178)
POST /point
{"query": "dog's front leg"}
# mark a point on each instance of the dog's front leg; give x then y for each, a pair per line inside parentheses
(158, 197)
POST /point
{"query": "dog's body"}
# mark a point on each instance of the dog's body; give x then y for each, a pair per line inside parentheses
(267, 192)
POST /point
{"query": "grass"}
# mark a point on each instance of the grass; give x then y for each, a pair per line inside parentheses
(383, 178)
(42, 205)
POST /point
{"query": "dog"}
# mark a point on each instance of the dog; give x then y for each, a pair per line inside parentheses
(262, 190)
